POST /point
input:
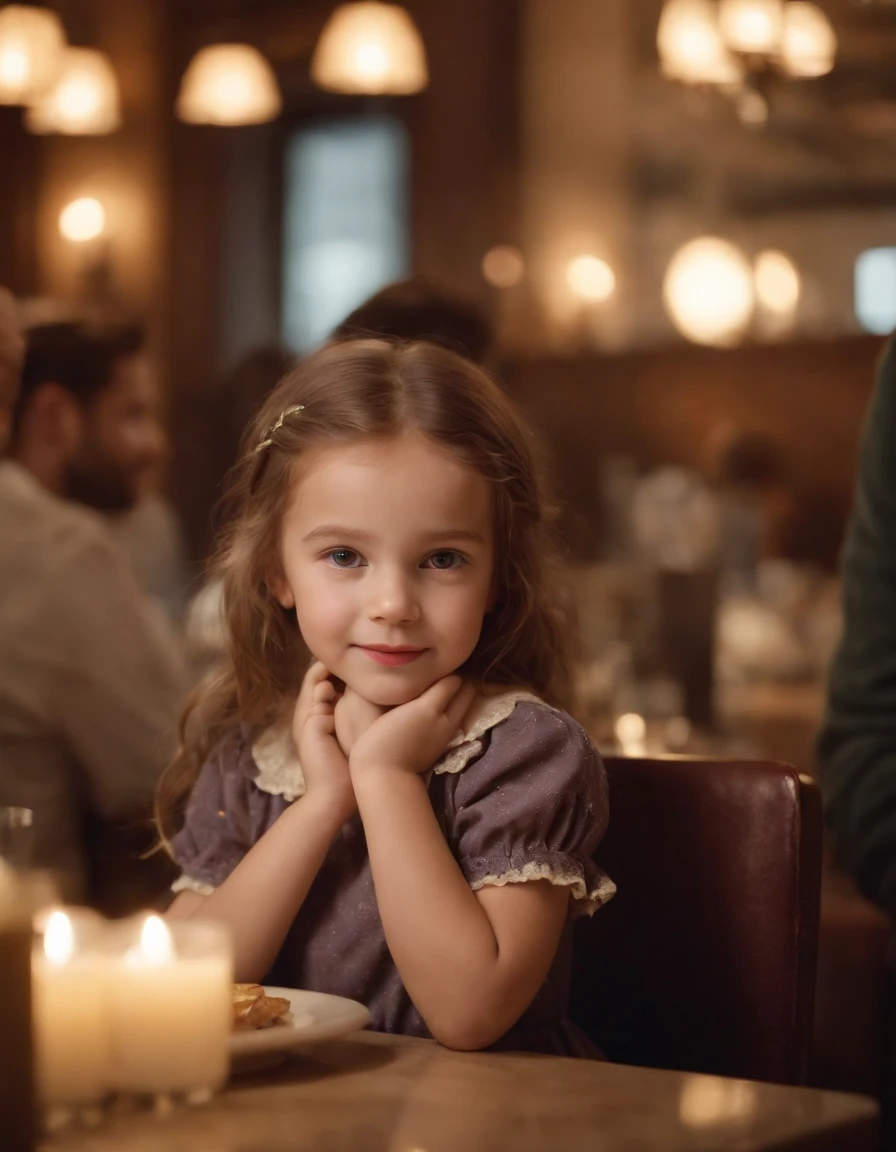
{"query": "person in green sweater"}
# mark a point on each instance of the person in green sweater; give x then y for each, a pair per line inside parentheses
(857, 745)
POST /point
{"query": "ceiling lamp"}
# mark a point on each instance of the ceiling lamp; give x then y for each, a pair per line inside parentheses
(809, 43)
(84, 99)
(32, 41)
(691, 47)
(708, 291)
(370, 49)
(229, 85)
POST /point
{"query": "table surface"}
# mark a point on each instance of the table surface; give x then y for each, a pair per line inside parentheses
(380, 1093)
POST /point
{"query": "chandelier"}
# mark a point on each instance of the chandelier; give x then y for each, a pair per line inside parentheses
(739, 45)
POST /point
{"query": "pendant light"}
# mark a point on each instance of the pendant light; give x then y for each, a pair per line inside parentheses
(84, 99)
(229, 85)
(32, 41)
(370, 49)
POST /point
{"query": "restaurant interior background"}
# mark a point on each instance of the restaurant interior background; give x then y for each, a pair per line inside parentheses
(554, 170)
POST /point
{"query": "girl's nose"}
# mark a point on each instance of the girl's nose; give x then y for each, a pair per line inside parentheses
(393, 600)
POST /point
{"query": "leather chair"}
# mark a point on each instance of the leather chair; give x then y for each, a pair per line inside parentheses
(705, 959)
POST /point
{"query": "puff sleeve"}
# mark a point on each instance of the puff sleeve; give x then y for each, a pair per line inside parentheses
(534, 806)
(217, 830)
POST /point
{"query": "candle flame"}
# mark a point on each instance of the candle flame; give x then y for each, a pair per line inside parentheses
(59, 939)
(155, 942)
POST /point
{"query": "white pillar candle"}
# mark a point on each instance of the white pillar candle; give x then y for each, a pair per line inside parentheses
(171, 1008)
(71, 1023)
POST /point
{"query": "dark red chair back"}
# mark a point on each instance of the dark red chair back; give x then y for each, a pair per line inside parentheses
(705, 959)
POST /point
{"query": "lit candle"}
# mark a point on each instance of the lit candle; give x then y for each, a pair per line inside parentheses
(71, 1023)
(171, 1009)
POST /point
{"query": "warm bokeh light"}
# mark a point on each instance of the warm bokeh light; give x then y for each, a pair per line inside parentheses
(371, 49)
(752, 25)
(504, 266)
(752, 109)
(591, 279)
(778, 283)
(229, 85)
(708, 1102)
(690, 45)
(32, 41)
(809, 45)
(83, 101)
(59, 939)
(631, 730)
(82, 220)
(708, 291)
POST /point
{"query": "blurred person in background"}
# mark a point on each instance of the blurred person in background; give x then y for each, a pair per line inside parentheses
(90, 681)
(417, 310)
(749, 473)
(857, 747)
(151, 538)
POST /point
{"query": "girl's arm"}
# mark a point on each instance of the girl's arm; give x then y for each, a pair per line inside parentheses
(262, 896)
(471, 962)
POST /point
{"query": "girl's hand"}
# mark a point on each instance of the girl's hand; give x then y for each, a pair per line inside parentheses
(324, 764)
(413, 736)
(354, 715)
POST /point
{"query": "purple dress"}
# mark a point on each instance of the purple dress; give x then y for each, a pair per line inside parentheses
(524, 797)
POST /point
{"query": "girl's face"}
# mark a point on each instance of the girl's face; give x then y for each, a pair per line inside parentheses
(388, 557)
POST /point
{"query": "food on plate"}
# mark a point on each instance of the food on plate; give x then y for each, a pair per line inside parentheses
(253, 1009)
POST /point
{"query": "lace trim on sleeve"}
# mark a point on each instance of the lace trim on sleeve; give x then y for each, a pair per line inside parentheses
(587, 900)
(186, 883)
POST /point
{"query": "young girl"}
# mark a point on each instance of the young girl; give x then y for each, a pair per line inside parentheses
(409, 823)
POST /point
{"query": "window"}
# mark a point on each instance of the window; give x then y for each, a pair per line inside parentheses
(875, 301)
(346, 226)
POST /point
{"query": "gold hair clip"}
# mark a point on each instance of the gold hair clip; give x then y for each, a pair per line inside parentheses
(293, 410)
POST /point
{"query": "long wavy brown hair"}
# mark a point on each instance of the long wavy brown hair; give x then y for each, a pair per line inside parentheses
(350, 390)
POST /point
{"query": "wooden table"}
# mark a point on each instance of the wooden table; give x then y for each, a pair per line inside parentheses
(391, 1094)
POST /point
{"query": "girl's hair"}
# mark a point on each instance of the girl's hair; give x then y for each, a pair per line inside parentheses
(349, 390)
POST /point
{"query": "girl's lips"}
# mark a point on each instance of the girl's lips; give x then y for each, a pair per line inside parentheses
(392, 657)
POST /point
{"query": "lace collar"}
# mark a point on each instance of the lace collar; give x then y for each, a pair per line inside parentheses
(280, 773)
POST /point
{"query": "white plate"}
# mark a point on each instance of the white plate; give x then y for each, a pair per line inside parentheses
(315, 1017)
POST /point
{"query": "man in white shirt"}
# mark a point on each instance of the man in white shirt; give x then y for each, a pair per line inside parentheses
(90, 681)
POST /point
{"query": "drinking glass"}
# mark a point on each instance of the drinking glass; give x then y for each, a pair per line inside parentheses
(16, 836)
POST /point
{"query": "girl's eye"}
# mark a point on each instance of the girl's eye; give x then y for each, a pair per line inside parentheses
(344, 558)
(445, 561)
